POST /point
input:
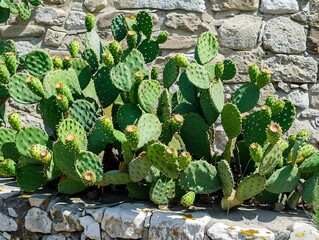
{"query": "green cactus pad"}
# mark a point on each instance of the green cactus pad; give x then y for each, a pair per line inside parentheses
(9, 150)
(105, 90)
(38, 63)
(250, 186)
(150, 49)
(121, 77)
(246, 97)
(187, 89)
(24, 11)
(200, 177)
(4, 14)
(253, 72)
(4, 75)
(273, 133)
(283, 180)
(311, 164)
(134, 61)
(36, 86)
(118, 26)
(144, 23)
(7, 168)
(115, 177)
(163, 190)
(272, 156)
(128, 114)
(51, 171)
(6, 135)
(266, 197)
(310, 189)
(170, 73)
(231, 120)
(20, 91)
(70, 186)
(92, 40)
(85, 113)
(30, 177)
(207, 48)
(50, 114)
(91, 58)
(70, 126)
(196, 136)
(286, 117)
(83, 71)
(139, 191)
(230, 70)
(64, 160)
(198, 76)
(254, 127)
(139, 168)
(155, 153)
(150, 129)
(226, 177)
(31, 136)
(188, 199)
(148, 93)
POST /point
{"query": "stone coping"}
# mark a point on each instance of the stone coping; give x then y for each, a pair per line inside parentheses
(51, 216)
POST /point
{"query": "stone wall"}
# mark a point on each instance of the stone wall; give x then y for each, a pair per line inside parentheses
(51, 216)
(281, 35)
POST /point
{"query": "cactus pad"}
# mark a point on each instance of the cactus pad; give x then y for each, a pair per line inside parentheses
(121, 77)
(150, 49)
(128, 114)
(246, 97)
(310, 189)
(272, 156)
(134, 61)
(311, 164)
(229, 70)
(226, 177)
(148, 93)
(70, 186)
(198, 76)
(149, 128)
(91, 58)
(118, 26)
(139, 168)
(170, 73)
(163, 190)
(231, 120)
(38, 63)
(144, 23)
(286, 117)
(250, 186)
(207, 48)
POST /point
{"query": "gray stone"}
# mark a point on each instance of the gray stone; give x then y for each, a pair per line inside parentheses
(58, 236)
(21, 31)
(313, 40)
(7, 191)
(268, 89)
(24, 47)
(105, 20)
(97, 214)
(38, 199)
(190, 5)
(54, 1)
(300, 99)
(292, 68)
(220, 139)
(38, 220)
(12, 212)
(7, 223)
(240, 32)
(309, 113)
(178, 42)
(6, 235)
(305, 124)
(279, 6)
(181, 225)
(243, 5)
(226, 232)
(300, 17)
(294, 86)
(93, 5)
(92, 228)
(283, 86)
(188, 22)
(75, 21)
(282, 35)
(65, 217)
(314, 96)
(125, 220)
(50, 16)
(304, 231)
(304, 87)
(54, 38)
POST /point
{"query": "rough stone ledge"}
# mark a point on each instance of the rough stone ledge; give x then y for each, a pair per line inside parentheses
(48, 216)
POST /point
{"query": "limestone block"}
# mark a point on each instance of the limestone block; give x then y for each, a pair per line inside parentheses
(93, 5)
(7, 224)
(50, 16)
(292, 68)
(282, 35)
(37, 200)
(300, 99)
(75, 21)
(279, 6)
(313, 40)
(189, 5)
(174, 225)
(178, 42)
(38, 220)
(187, 22)
(54, 38)
(58, 236)
(19, 31)
(240, 32)
(92, 228)
(242, 5)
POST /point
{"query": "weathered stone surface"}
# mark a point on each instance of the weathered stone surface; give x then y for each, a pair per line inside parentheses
(9, 190)
(92, 228)
(305, 124)
(296, 69)
(314, 96)
(58, 236)
(188, 22)
(190, 5)
(313, 40)
(54, 38)
(283, 86)
(282, 35)
(243, 5)
(75, 21)
(38, 220)
(125, 221)
(24, 47)
(12, 212)
(178, 42)
(304, 231)
(54, 1)
(38, 199)
(300, 17)
(95, 5)
(50, 16)
(65, 217)
(225, 232)
(20, 31)
(310, 113)
(105, 20)
(97, 214)
(279, 6)
(300, 99)
(240, 32)
(220, 139)
(7, 224)
(164, 225)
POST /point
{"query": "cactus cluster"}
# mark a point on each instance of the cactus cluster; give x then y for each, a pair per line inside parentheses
(22, 8)
(109, 101)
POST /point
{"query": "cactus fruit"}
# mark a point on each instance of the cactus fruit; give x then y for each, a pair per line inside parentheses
(74, 48)
(40, 153)
(253, 72)
(89, 22)
(256, 152)
(311, 164)
(62, 102)
(219, 69)
(36, 86)
(116, 50)
(57, 62)
(188, 199)
(7, 168)
(108, 59)
(132, 136)
(4, 75)
(162, 37)
(181, 61)
(14, 120)
(273, 133)
(131, 39)
(176, 122)
(303, 134)
(67, 62)
(263, 78)
(63, 89)
(184, 160)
